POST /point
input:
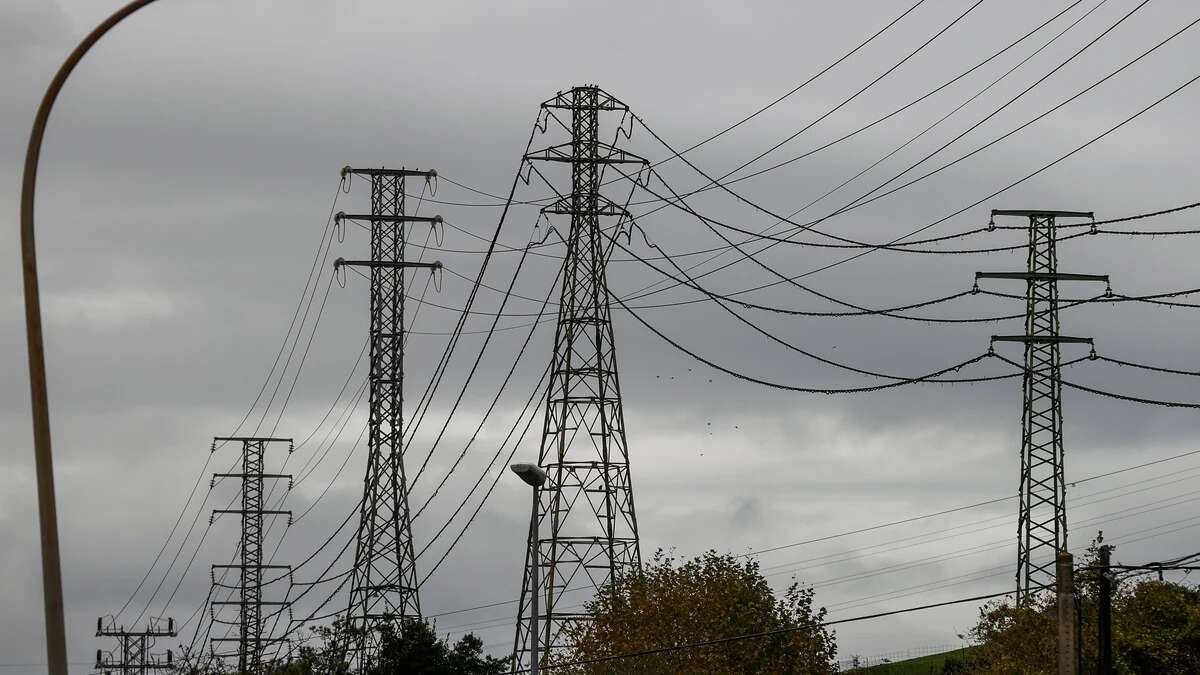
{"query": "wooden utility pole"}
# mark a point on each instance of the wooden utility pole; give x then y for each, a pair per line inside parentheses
(1104, 614)
(1068, 617)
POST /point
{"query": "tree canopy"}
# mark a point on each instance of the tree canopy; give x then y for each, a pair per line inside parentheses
(673, 603)
(1155, 628)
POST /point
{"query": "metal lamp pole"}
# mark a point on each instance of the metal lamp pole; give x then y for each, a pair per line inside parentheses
(536, 478)
(56, 640)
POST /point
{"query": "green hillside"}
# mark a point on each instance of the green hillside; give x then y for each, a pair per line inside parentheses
(925, 665)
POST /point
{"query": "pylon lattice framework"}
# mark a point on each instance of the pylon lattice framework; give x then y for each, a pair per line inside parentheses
(586, 529)
(384, 582)
(1042, 515)
(251, 643)
(134, 648)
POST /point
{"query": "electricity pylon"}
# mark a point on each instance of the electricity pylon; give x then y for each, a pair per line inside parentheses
(585, 530)
(250, 567)
(383, 586)
(1042, 516)
(134, 648)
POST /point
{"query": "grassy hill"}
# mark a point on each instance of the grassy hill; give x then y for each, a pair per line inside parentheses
(925, 665)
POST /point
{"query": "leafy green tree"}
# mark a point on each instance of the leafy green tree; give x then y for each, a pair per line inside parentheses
(672, 603)
(408, 648)
(1155, 625)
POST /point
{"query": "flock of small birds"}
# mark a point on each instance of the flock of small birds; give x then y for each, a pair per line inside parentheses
(708, 424)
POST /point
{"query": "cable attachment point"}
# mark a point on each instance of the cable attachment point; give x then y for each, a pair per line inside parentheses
(339, 272)
(621, 130)
(991, 226)
(975, 288)
(537, 228)
(1093, 229)
(525, 173)
(991, 350)
(1092, 355)
(438, 227)
(432, 182)
(436, 271)
(1108, 292)
(339, 225)
(347, 177)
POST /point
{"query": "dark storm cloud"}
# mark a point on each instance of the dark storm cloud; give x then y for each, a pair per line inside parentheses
(191, 165)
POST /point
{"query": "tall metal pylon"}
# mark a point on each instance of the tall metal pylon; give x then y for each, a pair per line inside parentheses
(584, 532)
(250, 640)
(133, 648)
(1042, 516)
(384, 581)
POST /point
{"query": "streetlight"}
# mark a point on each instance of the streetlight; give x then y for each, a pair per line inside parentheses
(535, 478)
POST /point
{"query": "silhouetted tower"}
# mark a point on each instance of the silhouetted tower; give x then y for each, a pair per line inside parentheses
(133, 648)
(1042, 516)
(250, 568)
(384, 582)
(586, 530)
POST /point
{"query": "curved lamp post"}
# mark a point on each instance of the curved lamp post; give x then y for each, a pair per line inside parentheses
(56, 641)
(534, 477)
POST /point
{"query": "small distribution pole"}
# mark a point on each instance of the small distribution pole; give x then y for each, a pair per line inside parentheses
(1068, 616)
(1104, 614)
(250, 621)
(134, 648)
(1042, 516)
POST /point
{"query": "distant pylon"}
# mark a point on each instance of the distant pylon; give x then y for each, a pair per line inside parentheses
(1042, 515)
(586, 530)
(133, 648)
(250, 639)
(383, 585)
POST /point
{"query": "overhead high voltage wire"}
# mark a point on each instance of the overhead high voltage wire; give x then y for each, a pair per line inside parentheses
(426, 400)
(1121, 397)
(521, 352)
(266, 381)
(921, 539)
(501, 201)
(443, 363)
(607, 254)
(317, 454)
(977, 202)
(479, 506)
(862, 201)
(895, 593)
(471, 373)
(888, 524)
(776, 339)
(713, 183)
(846, 101)
(858, 202)
(721, 181)
(753, 636)
(864, 311)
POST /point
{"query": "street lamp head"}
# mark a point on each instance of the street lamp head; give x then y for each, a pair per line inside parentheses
(530, 473)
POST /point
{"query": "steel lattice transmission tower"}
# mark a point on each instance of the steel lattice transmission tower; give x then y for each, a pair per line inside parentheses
(585, 530)
(250, 640)
(1042, 519)
(384, 582)
(134, 649)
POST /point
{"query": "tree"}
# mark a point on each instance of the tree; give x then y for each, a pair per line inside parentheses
(714, 596)
(410, 647)
(1155, 625)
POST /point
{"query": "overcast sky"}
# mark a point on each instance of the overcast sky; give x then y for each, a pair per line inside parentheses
(193, 159)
